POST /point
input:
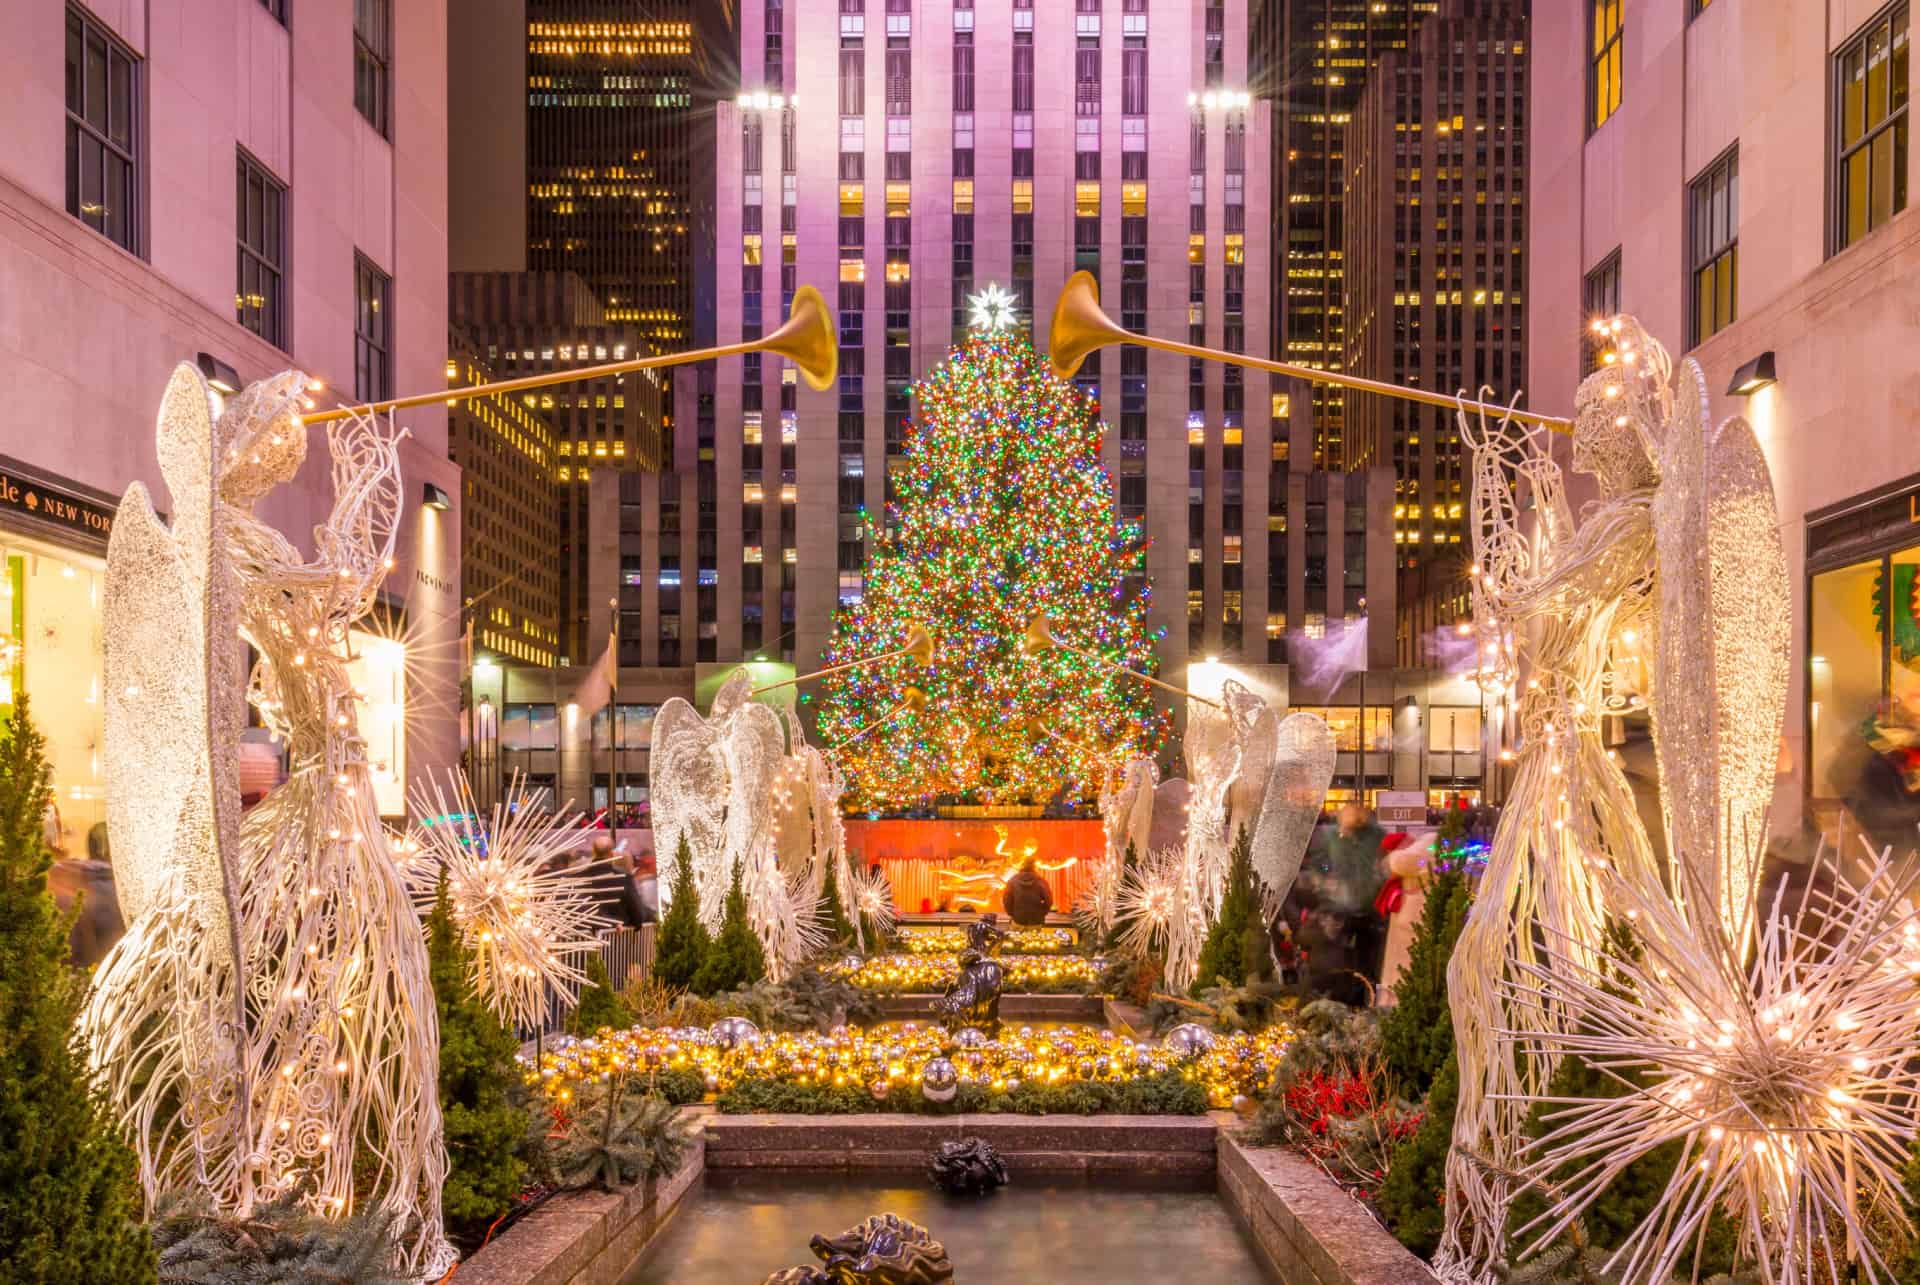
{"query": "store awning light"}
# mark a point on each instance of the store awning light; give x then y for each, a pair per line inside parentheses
(1753, 376)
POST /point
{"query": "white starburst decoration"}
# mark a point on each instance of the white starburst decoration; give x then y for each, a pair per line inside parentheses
(528, 925)
(1160, 905)
(992, 309)
(873, 900)
(1788, 1081)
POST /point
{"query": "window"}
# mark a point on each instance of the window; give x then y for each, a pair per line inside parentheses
(102, 173)
(372, 52)
(1603, 77)
(1863, 695)
(372, 331)
(1715, 245)
(1600, 295)
(1453, 729)
(260, 211)
(529, 727)
(1871, 157)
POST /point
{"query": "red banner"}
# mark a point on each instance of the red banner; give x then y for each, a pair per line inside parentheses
(961, 865)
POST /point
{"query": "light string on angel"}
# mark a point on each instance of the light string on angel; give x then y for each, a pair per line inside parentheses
(266, 1029)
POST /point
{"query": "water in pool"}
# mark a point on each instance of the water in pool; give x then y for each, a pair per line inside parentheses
(736, 1228)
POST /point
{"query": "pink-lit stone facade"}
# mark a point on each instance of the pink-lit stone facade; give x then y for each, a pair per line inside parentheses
(89, 332)
(1844, 418)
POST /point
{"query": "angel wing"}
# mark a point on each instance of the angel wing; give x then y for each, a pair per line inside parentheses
(1296, 788)
(1257, 729)
(1720, 675)
(173, 617)
(753, 746)
(688, 772)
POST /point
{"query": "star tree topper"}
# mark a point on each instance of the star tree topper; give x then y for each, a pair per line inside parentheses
(991, 310)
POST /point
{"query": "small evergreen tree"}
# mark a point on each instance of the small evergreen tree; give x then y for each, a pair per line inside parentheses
(1416, 1034)
(599, 1004)
(484, 1127)
(832, 915)
(1412, 1196)
(736, 959)
(69, 1199)
(1225, 953)
(1906, 1268)
(1129, 862)
(683, 942)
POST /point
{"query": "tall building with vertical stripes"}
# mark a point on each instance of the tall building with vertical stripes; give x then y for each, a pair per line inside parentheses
(908, 154)
(1435, 193)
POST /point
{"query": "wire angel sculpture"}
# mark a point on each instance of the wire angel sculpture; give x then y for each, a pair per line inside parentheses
(529, 927)
(265, 1029)
(726, 784)
(1214, 748)
(1784, 1074)
(1683, 526)
(1286, 765)
(1126, 814)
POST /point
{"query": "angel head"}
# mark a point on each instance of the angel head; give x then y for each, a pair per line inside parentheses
(1622, 408)
(259, 440)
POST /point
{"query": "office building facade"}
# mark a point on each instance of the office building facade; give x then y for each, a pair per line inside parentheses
(1435, 192)
(1734, 175)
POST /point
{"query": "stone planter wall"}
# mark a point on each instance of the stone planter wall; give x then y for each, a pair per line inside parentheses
(582, 1237)
(1311, 1232)
(1030, 1144)
(1015, 1008)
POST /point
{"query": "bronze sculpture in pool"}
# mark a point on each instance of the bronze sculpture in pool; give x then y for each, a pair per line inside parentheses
(883, 1249)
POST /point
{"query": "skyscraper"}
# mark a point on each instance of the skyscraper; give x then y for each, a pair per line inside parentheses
(1434, 194)
(909, 156)
(614, 153)
(1311, 59)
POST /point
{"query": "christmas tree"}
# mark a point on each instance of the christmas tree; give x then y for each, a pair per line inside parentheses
(484, 1128)
(1004, 514)
(69, 1196)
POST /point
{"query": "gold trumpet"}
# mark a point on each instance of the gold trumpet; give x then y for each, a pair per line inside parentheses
(1040, 637)
(1079, 327)
(919, 645)
(806, 339)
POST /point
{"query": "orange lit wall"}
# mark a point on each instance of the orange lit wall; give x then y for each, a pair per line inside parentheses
(913, 853)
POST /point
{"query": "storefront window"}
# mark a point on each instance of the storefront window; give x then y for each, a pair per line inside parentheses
(1453, 730)
(378, 672)
(1863, 699)
(52, 652)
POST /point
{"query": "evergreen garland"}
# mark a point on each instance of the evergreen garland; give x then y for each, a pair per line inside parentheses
(478, 1075)
(683, 942)
(1224, 956)
(736, 959)
(69, 1199)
